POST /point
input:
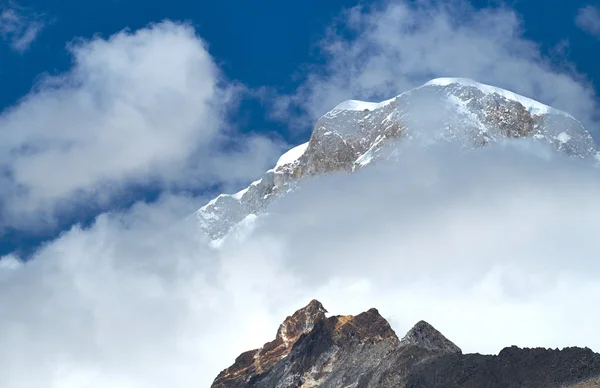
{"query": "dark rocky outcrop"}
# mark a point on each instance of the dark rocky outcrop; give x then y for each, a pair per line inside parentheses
(312, 350)
(513, 367)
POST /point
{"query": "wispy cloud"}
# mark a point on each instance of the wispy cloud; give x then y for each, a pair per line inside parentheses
(588, 19)
(19, 28)
(377, 51)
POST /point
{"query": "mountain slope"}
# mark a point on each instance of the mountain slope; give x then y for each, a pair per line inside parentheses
(312, 350)
(355, 134)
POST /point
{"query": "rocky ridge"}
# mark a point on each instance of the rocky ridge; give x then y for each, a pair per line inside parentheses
(355, 134)
(313, 350)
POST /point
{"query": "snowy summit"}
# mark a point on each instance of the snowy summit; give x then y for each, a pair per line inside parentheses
(355, 134)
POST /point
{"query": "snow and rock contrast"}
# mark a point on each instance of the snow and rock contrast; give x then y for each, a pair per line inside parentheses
(355, 134)
(312, 350)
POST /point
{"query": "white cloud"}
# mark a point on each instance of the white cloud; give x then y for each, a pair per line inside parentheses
(588, 19)
(494, 248)
(18, 29)
(137, 300)
(377, 52)
(139, 108)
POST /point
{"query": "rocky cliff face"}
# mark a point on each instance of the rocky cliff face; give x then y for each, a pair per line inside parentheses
(356, 134)
(312, 350)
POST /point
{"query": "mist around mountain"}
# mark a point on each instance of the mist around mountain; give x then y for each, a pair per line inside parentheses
(460, 112)
(453, 122)
(495, 245)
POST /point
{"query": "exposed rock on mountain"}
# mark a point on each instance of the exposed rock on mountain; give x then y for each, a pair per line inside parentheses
(426, 337)
(255, 362)
(312, 350)
(355, 134)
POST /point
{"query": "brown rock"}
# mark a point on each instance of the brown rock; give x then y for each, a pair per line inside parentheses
(311, 350)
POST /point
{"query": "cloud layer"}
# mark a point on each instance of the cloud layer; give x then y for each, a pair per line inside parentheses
(139, 108)
(376, 52)
(137, 300)
(494, 248)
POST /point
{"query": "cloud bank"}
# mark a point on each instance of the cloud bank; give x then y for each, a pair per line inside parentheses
(495, 247)
(146, 108)
(375, 52)
(136, 300)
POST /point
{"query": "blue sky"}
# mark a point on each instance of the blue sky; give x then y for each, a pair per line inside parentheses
(274, 52)
(256, 47)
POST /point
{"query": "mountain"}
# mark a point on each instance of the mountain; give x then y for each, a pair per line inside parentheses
(313, 350)
(355, 134)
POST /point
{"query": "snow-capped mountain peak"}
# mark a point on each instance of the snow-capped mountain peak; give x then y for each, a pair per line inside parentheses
(355, 134)
(531, 105)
